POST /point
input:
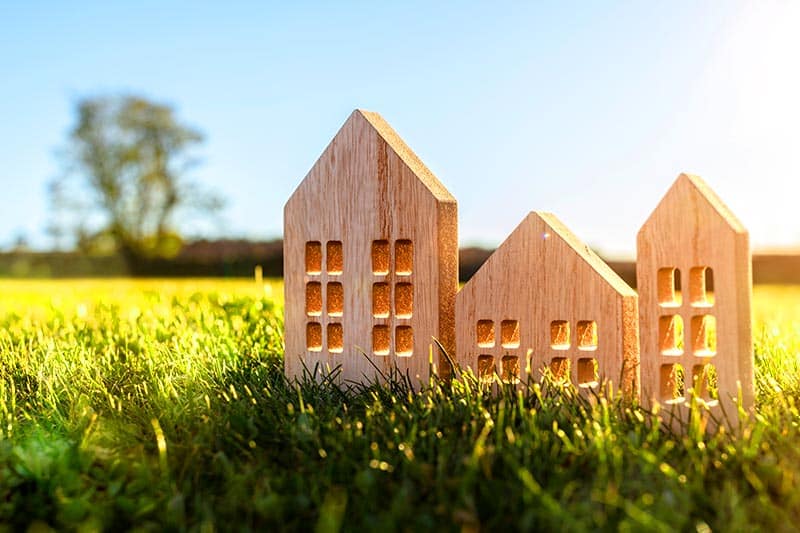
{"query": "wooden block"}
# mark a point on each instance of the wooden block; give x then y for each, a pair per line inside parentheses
(543, 299)
(694, 278)
(370, 258)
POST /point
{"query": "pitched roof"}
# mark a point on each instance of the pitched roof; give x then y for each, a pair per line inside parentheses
(593, 260)
(398, 146)
(701, 190)
(555, 226)
(406, 154)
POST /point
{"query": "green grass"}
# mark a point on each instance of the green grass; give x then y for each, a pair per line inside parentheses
(162, 405)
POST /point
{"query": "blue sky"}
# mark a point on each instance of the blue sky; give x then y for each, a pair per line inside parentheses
(585, 109)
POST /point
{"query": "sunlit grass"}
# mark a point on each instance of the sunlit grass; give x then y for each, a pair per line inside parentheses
(162, 405)
(776, 335)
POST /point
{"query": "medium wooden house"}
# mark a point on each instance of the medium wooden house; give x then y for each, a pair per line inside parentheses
(370, 258)
(695, 280)
(544, 299)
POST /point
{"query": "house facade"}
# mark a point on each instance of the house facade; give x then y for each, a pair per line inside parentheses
(370, 259)
(543, 299)
(694, 276)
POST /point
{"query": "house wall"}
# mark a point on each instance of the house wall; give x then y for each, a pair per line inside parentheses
(537, 278)
(359, 192)
(687, 232)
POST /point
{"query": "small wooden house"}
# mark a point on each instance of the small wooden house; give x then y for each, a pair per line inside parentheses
(370, 258)
(694, 279)
(544, 299)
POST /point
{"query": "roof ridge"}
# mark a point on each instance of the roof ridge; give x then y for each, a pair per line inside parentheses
(714, 200)
(406, 154)
(703, 191)
(590, 258)
(597, 263)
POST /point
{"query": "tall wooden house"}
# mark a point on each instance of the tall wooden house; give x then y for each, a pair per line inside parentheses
(695, 280)
(544, 299)
(370, 258)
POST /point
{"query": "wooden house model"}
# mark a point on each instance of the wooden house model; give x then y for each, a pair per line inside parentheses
(370, 258)
(694, 279)
(371, 283)
(544, 299)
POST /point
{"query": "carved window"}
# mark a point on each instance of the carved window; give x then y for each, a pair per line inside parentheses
(588, 375)
(325, 297)
(701, 286)
(673, 388)
(569, 360)
(668, 280)
(392, 297)
(501, 338)
(691, 334)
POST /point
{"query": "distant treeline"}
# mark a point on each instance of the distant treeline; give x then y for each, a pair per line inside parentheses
(223, 258)
(238, 258)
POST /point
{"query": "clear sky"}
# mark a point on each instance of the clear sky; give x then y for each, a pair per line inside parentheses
(585, 109)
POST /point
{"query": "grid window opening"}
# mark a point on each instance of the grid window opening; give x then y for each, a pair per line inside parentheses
(588, 372)
(509, 334)
(381, 340)
(313, 257)
(670, 335)
(404, 341)
(335, 338)
(701, 286)
(403, 257)
(485, 333)
(403, 300)
(335, 303)
(559, 335)
(704, 382)
(485, 368)
(392, 299)
(669, 287)
(560, 369)
(380, 257)
(704, 336)
(334, 259)
(672, 384)
(314, 337)
(510, 367)
(314, 298)
(587, 335)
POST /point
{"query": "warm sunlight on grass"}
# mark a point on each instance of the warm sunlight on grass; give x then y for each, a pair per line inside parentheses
(161, 405)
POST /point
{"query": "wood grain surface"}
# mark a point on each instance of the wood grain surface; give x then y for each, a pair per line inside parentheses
(545, 300)
(695, 282)
(371, 259)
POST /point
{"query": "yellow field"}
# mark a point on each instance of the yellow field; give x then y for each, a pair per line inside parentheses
(776, 308)
(36, 298)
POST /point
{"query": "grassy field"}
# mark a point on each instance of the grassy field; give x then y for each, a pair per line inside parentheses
(162, 406)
